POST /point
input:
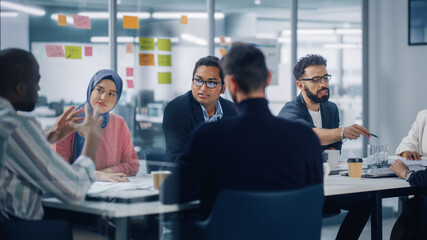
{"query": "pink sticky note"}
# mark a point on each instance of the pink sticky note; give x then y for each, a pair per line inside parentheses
(129, 72)
(81, 21)
(88, 51)
(54, 51)
(130, 83)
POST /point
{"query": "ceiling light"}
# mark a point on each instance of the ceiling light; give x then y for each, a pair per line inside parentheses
(342, 45)
(104, 39)
(257, 2)
(22, 8)
(105, 15)
(193, 39)
(177, 15)
(54, 17)
(8, 14)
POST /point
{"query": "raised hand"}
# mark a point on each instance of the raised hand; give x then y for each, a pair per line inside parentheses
(61, 128)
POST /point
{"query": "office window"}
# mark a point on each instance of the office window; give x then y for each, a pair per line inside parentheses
(333, 29)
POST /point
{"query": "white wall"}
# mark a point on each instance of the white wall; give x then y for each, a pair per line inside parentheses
(397, 76)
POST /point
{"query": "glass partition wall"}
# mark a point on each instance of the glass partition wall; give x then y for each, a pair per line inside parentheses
(333, 29)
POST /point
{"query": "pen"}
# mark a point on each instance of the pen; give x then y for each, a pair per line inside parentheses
(373, 135)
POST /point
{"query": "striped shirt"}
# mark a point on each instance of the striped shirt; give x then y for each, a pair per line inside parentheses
(28, 168)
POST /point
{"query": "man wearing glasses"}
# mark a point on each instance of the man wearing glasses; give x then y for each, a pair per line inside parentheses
(312, 107)
(202, 104)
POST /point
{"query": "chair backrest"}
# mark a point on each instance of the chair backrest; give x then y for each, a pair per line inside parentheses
(154, 160)
(43, 229)
(291, 214)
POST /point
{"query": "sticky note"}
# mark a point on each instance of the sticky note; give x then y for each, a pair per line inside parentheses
(223, 51)
(129, 72)
(54, 51)
(146, 43)
(73, 52)
(130, 83)
(129, 47)
(164, 44)
(62, 20)
(222, 41)
(81, 21)
(164, 77)
(88, 51)
(130, 22)
(146, 59)
(164, 60)
(184, 19)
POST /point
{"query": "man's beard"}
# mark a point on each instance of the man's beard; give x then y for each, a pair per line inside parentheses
(314, 98)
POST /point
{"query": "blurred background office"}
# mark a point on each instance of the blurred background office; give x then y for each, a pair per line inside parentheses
(378, 73)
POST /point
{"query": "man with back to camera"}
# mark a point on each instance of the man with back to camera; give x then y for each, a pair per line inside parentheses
(251, 151)
(313, 109)
(28, 167)
(202, 104)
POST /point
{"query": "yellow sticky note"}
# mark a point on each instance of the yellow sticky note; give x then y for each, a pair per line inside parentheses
(223, 51)
(146, 43)
(164, 44)
(184, 19)
(73, 52)
(62, 20)
(146, 59)
(164, 77)
(164, 60)
(130, 22)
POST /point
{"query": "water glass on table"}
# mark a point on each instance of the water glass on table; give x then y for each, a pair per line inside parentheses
(377, 156)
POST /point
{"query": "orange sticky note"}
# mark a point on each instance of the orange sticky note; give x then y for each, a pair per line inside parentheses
(130, 22)
(184, 19)
(146, 59)
(222, 41)
(62, 20)
(129, 47)
(223, 51)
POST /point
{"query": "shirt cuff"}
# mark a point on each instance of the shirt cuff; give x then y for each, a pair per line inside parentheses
(88, 164)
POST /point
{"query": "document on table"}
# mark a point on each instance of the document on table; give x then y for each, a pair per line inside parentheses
(143, 182)
(422, 162)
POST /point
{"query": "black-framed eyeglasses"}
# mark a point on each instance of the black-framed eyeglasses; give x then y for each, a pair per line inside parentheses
(210, 84)
(317, 80)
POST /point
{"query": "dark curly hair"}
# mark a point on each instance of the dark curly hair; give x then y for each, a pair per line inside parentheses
(304, 62)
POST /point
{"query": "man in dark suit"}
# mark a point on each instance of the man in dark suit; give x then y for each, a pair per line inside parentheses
(202, 104)
(251, 151)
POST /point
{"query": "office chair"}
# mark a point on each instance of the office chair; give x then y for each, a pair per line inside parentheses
(154, 160)
(43, 229)
(291, 214)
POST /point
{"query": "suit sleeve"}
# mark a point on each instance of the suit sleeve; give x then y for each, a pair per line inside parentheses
(411, 141)
(184, 184)
(336, 124)
(176, 131)
(293, 113)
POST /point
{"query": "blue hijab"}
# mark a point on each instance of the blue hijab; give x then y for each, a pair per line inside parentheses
(100, 75)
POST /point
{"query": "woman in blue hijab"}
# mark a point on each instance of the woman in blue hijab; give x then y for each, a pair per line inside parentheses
(116, 156)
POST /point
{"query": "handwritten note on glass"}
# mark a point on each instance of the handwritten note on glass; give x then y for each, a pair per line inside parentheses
(54, 51)
(81, 21)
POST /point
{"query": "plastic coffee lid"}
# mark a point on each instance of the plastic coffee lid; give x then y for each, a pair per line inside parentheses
(355, 160)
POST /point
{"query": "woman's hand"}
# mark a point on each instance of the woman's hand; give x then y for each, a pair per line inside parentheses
(399, 168)
(411, 155)
(111, 177)
(62, 128)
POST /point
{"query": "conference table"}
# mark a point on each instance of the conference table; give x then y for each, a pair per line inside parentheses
(336, 187)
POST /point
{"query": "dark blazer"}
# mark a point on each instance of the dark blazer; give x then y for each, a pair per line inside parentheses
(180, 117)
(297, 111)
(251, 151)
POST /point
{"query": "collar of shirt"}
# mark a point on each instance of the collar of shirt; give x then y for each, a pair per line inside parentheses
(5, 103)
(217, 115)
